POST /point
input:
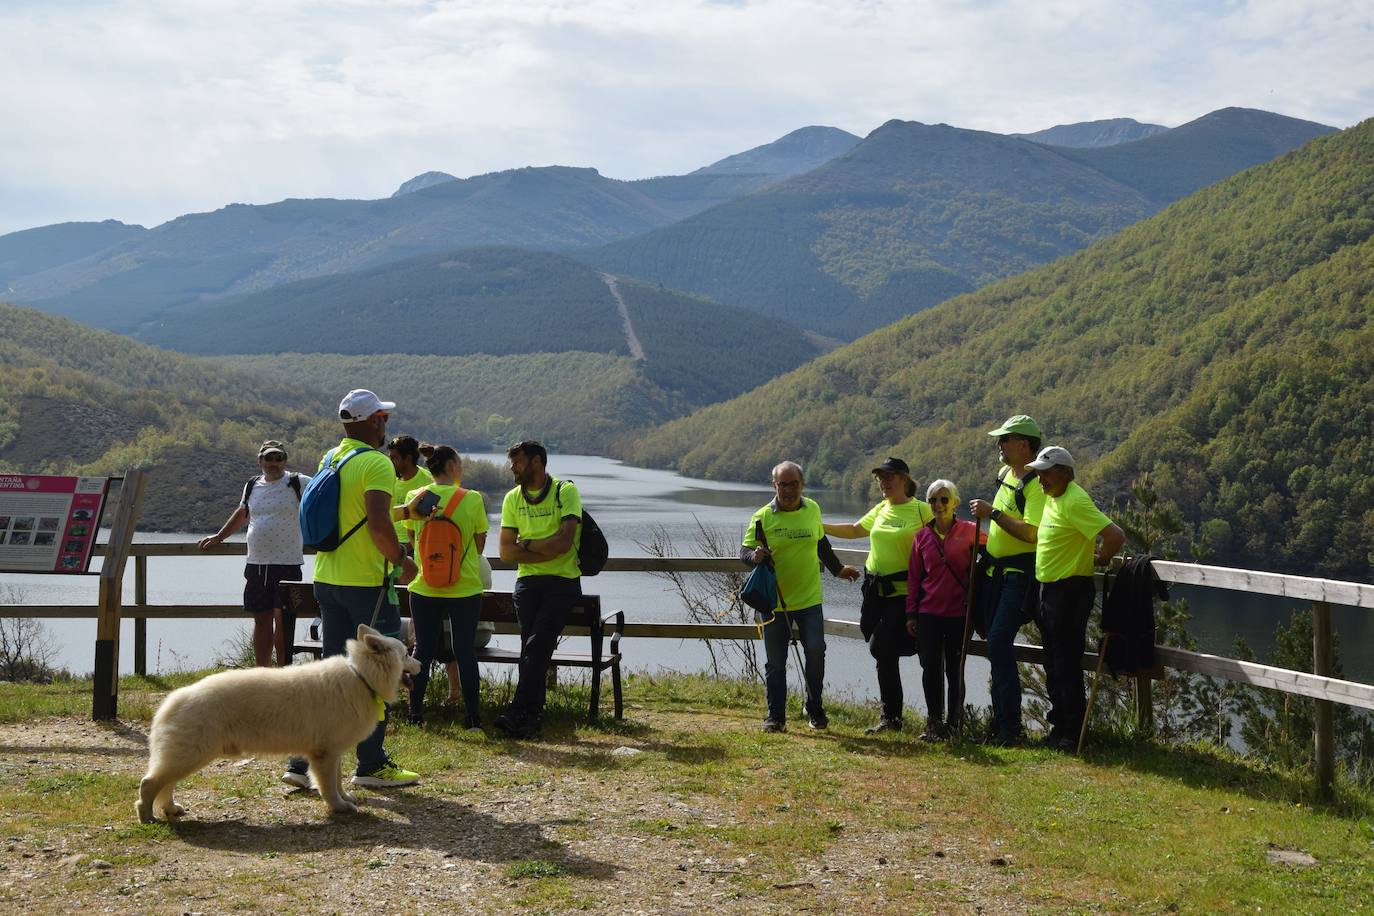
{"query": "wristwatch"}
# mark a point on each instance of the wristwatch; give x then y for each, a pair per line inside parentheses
(996, 514)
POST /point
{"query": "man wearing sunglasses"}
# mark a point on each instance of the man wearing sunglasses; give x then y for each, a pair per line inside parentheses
(269, 508)
(1011, 592)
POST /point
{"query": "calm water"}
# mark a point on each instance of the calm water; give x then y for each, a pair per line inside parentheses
(630, 504)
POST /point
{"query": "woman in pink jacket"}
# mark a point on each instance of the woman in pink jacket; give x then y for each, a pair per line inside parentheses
(937, 589)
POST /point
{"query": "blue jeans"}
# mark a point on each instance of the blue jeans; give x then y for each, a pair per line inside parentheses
(776, 635)
(427, 615)
(1003, 624)
(343, 608)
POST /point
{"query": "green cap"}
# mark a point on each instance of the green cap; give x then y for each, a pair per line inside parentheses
(1020, 425)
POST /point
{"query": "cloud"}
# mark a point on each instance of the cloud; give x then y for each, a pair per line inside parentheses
(145, 109)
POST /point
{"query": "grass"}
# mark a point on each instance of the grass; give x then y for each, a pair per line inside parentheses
(1131, 826)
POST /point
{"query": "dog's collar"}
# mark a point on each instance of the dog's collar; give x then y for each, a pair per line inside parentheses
(374, 693)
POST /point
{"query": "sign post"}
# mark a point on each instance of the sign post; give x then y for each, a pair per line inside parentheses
(105, 692)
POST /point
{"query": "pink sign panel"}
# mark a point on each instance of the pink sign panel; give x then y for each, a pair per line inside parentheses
(48, 524)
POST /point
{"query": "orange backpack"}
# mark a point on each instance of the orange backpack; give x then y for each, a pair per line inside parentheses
(440, 550)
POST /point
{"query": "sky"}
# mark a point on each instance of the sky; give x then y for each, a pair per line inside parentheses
(142, 110)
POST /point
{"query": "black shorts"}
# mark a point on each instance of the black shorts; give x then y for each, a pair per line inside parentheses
(260, 592)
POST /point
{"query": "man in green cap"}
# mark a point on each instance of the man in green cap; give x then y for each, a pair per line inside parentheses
(1011, 587)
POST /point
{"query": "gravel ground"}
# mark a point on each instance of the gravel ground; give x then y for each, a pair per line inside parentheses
(452, 845)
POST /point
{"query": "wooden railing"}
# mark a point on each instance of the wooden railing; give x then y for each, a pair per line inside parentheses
(1320, 593)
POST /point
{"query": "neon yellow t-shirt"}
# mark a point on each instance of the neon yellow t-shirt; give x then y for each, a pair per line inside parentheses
(792, 538)
(1067, 534)
(471, 518)
(356, 561)
(1001, 543)
(891, 529)
(398, 496)
(542, 520)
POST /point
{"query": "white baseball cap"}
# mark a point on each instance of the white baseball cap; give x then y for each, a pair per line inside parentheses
(1050, 456)
(359, 404)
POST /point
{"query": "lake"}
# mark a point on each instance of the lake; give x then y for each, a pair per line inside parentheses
(631, 504)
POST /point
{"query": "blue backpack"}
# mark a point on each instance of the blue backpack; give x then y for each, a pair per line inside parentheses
(319, 514)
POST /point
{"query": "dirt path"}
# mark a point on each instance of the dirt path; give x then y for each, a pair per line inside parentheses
(631, 339)
(553, 826)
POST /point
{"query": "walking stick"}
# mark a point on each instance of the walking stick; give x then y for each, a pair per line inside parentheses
(968, 614)
(1092, 694)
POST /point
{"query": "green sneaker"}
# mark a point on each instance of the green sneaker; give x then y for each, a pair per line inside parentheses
(387, 776)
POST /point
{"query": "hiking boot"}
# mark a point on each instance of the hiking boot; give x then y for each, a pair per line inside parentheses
(819, 722)
(774, 725)
(472, 723)
(1014, 739)
(884, 725)
(299, 780)
(386, 776)
(507, 722)
(935, 731)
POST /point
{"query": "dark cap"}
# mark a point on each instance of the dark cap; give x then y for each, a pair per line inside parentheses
(893, 466)
(271, 447)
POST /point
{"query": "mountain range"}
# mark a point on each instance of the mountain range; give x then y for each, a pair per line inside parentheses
(1109, 132)
(1224, 347)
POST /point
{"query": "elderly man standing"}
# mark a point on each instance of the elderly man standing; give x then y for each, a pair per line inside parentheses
(1015, 512)
(788, 533)
(1064, 559)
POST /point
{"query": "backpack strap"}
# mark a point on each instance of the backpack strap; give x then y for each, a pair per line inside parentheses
(454, 501)
(293, 480)
(338, 468)
(247, 489)
(1019, 491)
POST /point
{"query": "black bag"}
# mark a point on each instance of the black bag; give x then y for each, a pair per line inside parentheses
(592, 550)
(882, 621)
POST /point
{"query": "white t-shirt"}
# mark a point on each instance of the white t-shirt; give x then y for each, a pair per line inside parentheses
(274, 529)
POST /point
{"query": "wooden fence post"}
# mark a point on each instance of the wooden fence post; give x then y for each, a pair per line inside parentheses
(105, 690)
(141, 623)
(1323, 661)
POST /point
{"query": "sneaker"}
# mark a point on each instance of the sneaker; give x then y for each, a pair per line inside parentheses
(387, 776)
(299, 780)
(884, 725)
(774, 725)
(1016, 739)
(820, 723)
(935, 731)
(507, 722)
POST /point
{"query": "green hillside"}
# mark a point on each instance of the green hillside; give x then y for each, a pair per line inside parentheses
(499, 301)
(573, 402)
(80, 401)
(918, 213)
(1225, 346)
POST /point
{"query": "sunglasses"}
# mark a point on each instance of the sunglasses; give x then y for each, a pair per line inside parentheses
(274, 458)
(1009, 438)
(942, 500)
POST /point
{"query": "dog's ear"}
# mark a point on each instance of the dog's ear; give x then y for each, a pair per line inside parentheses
(374, 641)
(365, 630)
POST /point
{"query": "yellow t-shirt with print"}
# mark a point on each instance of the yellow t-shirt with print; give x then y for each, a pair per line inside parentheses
(404, 488)
(891, 529)
(356, 561)
(471, 518)
(792, 538)
(542, 519)
(1067, 535)
(1002, 543)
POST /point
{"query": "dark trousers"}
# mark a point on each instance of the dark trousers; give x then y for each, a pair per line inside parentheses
(1063, 619)
(940, 641)
(542, 605)
(342, 609)
(884, 611)
(1004, 621)
(777, 634)
(427, 616)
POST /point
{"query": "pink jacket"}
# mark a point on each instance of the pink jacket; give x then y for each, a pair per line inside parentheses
(938, 570)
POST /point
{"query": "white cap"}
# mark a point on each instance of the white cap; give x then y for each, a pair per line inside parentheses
(1050, 456)
(359, 404)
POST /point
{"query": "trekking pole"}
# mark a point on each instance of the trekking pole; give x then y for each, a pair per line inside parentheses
(1092, 694)
(968, 616)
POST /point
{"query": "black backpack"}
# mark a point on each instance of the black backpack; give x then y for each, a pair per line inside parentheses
(1019, 491)
(593, 549)
(293, 480)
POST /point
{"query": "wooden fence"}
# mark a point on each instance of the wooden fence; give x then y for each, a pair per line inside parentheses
(1319, 593)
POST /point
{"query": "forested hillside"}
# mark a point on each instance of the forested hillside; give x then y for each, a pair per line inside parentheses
(499, 301)
(918, 213)
(31, 251)
(1224, 346)
(80, 401)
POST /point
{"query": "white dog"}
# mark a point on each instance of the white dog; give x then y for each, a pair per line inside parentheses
(316, 710)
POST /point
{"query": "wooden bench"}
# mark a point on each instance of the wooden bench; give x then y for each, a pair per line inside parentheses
(298, 601)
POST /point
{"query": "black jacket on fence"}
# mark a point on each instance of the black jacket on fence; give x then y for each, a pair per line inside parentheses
(1128, 616)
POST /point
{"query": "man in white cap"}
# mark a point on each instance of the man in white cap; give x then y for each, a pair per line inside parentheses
(351, 581)
(1064, 557)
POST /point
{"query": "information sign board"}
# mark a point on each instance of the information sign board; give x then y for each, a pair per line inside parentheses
(48, 524)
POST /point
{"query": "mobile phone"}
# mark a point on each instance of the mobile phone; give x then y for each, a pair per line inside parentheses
(428, 503)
